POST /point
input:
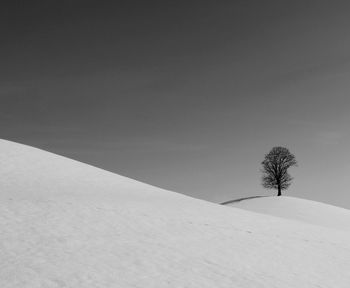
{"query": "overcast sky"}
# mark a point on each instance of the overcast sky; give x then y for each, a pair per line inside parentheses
(185, 95)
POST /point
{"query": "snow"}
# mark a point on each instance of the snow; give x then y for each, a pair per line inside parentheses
(67, 224)
(297, 209)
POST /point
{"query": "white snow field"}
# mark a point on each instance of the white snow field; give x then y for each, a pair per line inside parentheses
(297, 209)
(67, 224)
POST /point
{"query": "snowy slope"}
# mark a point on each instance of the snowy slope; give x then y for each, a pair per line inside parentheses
(67, 224)
(297, 209)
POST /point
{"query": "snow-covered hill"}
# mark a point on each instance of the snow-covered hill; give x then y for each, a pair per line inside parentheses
(67, 224)
(297, 209)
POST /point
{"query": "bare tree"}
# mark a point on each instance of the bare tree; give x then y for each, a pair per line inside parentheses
(274, 168)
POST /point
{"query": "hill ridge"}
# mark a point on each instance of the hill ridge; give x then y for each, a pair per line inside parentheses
(308, 211)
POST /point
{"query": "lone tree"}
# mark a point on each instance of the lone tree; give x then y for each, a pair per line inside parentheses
(274, 168)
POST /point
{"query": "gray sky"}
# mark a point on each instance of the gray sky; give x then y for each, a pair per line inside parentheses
(185, 95)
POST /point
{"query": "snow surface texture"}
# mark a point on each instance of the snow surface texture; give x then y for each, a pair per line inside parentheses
(67, 224)
(297, 209)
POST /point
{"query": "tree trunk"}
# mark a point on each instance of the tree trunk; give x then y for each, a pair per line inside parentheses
(279, 191)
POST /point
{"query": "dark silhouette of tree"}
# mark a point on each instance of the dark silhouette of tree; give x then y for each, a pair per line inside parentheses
(275, 169)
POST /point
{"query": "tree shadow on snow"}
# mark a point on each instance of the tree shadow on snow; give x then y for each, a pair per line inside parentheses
(241, 199)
